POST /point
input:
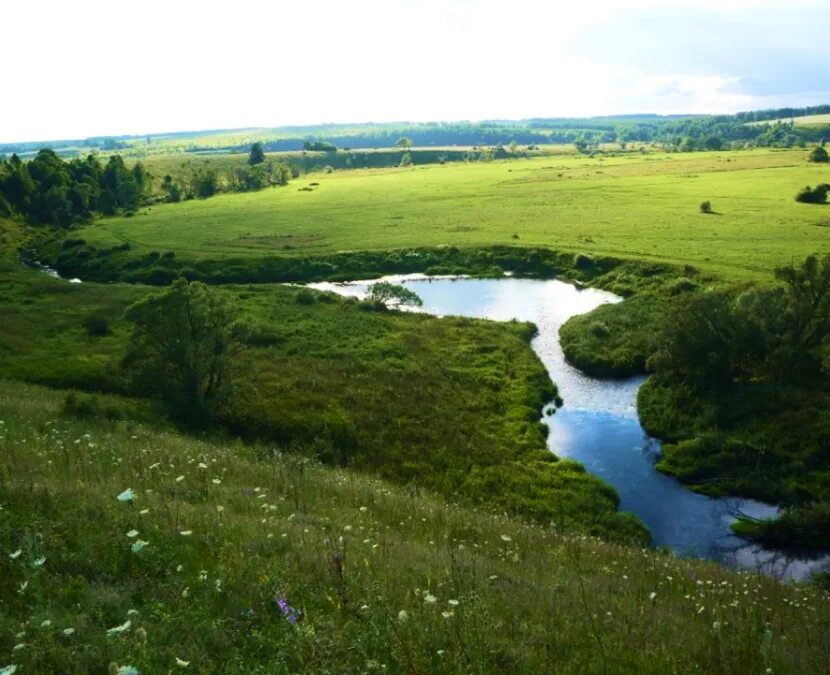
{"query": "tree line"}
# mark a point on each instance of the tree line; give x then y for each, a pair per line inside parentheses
(48, 190)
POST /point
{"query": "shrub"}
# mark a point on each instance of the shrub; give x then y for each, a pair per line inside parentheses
(682, 285)
(706, 207)
(97, 326)
(813, 196)
(819, 154)
(305, 297)
(599, 329)
(583, 262)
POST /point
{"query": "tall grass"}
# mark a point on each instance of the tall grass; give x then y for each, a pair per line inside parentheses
(240, 560)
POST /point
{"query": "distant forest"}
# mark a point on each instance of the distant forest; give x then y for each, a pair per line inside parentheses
(683, 133)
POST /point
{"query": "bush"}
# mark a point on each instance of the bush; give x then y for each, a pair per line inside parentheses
(706, 207)
(682, 285)
(819, 154)
(583, 262)
(97, 326)
(813, 196)
(305, 297)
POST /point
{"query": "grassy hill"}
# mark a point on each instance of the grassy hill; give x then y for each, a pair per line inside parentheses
(238, 559)
(642, 207)
(805, 121)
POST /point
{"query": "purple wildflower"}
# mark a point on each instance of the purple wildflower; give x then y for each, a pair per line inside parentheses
(293, 615)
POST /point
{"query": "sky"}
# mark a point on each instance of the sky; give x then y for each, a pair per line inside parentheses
(80, 68)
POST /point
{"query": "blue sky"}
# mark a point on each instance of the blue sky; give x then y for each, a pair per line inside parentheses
(94, 67)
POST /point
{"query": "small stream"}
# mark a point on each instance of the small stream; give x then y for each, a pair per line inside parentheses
(598, 425)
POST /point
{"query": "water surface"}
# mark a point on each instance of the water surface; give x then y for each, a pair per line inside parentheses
(598, 425)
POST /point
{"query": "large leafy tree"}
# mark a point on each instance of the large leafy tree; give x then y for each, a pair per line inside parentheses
(185, 349)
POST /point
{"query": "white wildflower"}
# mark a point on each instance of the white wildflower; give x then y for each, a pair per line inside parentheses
(117, 630)
(127, 496)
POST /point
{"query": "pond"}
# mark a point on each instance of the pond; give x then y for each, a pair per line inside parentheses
(598, 424)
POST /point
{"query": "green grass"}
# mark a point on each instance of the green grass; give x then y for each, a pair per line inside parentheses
(387, 579)
(450, 404)
(803, 121)
(634, 206)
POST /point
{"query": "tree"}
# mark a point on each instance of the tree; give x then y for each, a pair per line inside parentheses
(819, 154)
(257, 155)
(185, 349)
(403, 143)
(394, 294)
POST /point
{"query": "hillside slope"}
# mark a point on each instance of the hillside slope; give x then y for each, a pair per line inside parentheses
(128, 544)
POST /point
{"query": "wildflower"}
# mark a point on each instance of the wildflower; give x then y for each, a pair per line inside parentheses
(186, 533)
(8, 670)
(363, 509)
(16, 554)
(181, 663)
(289, 612)
(127, 670)
(18, 647)
(504, 537)
(179, 479)
(132, 534)
(143, 512)
(403, 617)
(446, 614)
(68, 632)
(202, 465)
(652, 595)
(45, 624)
(216, 481)
(40, 561)
(132, 612)
(186, 592)
(23, 587)
(127, 496)
(430, 599)
(453, 603)
(112, 632)
(139, 545)
(220, 508)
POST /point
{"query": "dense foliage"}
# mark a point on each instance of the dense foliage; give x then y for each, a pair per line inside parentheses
(50, 191)
(184, 348)
(739, 392)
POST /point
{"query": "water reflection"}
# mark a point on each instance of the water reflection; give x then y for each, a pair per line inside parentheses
(598, 425)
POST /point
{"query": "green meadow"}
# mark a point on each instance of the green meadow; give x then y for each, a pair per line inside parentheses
(128, 544)
(634, 206)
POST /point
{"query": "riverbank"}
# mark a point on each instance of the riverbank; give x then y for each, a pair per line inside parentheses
(598, 424)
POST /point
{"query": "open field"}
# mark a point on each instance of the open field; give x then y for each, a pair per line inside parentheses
(803, 121)
(639, 207)
(371, 577)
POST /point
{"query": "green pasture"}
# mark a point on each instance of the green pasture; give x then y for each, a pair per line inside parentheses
(633, 206)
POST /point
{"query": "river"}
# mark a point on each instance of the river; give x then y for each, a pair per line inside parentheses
(598, 424)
